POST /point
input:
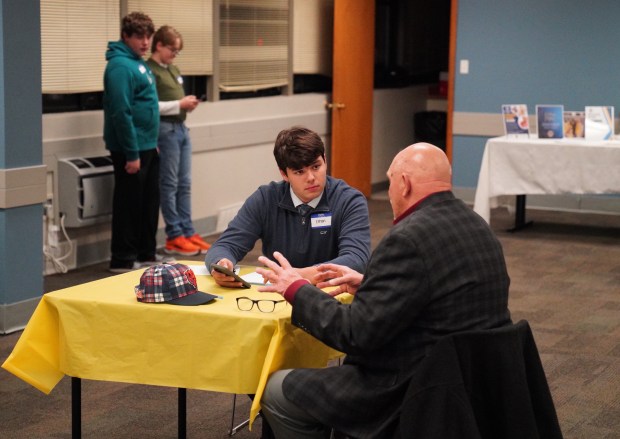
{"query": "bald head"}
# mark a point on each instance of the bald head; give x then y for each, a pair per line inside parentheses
(417, 171)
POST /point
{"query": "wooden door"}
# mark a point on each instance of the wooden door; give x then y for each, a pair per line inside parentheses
(454, 7)
(352, 92)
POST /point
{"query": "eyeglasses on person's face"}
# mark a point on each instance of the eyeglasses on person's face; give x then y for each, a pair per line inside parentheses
(263, 305)
(174, 50)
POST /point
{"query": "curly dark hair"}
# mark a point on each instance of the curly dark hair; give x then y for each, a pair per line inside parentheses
(297, 147)
(137, 23)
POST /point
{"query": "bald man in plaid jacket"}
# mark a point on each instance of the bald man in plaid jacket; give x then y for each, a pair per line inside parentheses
(438, 271)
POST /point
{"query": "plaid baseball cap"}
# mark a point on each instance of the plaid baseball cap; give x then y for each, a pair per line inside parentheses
(170, 283)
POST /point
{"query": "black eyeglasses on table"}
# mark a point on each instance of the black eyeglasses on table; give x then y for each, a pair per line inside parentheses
(263, 305)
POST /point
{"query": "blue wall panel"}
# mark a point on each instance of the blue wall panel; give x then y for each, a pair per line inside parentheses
(466, 159)
(21, 241)
(532, 52)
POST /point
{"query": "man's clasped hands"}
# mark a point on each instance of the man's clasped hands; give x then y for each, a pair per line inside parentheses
(281, 275)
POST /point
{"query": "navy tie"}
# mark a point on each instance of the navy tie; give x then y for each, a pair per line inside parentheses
(303, 211)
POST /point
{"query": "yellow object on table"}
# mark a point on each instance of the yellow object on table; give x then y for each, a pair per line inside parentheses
(99, 331)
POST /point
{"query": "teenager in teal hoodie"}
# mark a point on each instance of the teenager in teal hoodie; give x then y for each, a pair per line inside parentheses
(131, 112)
(131, 127)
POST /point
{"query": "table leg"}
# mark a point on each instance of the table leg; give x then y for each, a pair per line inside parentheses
(76, 408)
(182, 413)
(234, 430)
(520, 222)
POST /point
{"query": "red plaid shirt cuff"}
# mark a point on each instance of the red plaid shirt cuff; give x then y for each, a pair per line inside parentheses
(290, 292)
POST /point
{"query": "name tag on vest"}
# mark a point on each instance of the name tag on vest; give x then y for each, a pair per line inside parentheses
(321, 220)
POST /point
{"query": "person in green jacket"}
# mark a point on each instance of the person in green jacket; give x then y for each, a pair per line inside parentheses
(131, 125)
(175, 147)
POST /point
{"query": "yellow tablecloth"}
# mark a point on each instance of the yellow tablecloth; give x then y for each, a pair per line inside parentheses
(99, 331)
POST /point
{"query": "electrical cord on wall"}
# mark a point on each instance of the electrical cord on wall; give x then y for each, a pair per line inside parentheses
(50, 248)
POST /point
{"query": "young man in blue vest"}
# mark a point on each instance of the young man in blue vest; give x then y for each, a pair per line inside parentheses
(309, 216)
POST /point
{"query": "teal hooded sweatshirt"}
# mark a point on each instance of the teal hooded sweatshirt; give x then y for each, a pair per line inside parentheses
(131, 113)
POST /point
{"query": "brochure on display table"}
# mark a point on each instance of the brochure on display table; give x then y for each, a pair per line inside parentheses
(516, 119)
(574, 124)
(550, 121)
(599, 123)
(596, 123)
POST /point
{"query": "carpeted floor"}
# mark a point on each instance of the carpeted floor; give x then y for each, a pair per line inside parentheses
(565, 272)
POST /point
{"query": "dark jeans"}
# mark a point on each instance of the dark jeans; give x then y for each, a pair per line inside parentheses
(267, 432)
(135, 209)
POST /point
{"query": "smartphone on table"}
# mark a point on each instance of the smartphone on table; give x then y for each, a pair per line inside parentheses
(231, 273)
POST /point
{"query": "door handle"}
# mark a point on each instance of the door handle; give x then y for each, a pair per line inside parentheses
(336, 105)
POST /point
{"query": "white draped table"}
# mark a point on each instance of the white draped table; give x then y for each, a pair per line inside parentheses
(525, 166)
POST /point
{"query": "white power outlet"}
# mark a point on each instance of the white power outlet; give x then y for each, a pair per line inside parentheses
(49, 210)
(464, 67)
(52, 235)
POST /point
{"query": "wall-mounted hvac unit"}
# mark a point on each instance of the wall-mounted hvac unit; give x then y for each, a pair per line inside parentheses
(85, 189)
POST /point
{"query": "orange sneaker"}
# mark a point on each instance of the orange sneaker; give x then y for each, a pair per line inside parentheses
(181, 246)
(197, 240)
